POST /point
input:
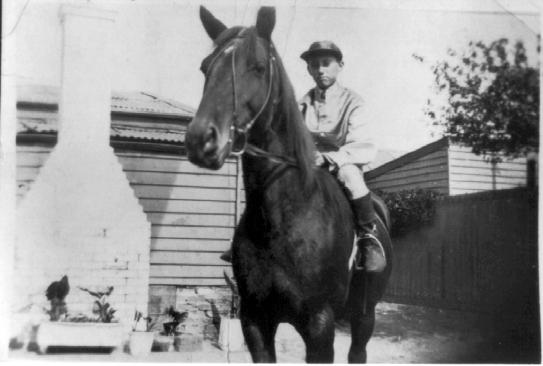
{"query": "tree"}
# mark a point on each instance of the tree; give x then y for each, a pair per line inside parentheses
(492, 99)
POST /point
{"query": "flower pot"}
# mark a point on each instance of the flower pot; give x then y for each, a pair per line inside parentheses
(231, 335)
(140, 343)
(71, 334)
(163, 343)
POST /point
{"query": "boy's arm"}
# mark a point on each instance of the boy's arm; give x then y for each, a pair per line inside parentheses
(359, 148)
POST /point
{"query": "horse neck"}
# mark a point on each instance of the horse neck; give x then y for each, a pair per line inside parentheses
(256, 170)
(279, 131)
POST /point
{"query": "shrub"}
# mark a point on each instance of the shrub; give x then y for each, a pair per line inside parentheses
(410, 209)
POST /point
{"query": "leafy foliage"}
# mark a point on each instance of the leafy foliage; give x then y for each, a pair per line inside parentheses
(175, 318)
(102, 308)
(56, 293)
(148, 325)
(410, 209)
(492, 99)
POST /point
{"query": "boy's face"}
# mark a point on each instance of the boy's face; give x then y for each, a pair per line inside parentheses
(324, 70)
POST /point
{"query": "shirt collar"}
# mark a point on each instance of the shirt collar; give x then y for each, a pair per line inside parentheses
(321, 95)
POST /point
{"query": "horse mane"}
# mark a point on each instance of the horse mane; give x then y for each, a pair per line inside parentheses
(298, 141)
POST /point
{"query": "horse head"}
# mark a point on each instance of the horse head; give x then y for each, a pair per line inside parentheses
(238, 88)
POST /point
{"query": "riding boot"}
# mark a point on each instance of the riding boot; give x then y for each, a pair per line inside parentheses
(372, 253)
(227, 255)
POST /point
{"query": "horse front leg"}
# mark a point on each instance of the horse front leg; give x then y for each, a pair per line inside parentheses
(259, 332)
(362, 306)
(318, 331)
(362, 324)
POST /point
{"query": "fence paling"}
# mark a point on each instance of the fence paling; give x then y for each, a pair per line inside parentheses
(480, 250)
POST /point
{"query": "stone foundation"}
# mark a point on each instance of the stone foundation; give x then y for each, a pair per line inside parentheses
(205, 306)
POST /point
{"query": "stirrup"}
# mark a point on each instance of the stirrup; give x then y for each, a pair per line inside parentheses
(358, 263)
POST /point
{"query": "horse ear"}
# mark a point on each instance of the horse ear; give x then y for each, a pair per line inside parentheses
(265, 21)
(212, 25)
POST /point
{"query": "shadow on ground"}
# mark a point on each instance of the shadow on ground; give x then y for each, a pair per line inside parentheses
(403, 334)
(415, 334)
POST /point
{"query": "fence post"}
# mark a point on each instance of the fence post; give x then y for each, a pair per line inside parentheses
(531, 167)
(238, 189)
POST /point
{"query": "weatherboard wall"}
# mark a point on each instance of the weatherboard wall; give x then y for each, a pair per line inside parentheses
(449, 169)
(429, 171)
(470, 173)
(192, 211)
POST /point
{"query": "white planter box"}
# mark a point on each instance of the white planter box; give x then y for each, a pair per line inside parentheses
(72, 334)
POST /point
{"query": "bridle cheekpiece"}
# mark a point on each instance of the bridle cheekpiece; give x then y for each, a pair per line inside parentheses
(236, 129)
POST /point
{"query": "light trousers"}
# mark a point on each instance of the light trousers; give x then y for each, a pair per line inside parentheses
(352, 178)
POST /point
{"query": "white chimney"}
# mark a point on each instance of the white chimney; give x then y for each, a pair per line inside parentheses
(81, 218)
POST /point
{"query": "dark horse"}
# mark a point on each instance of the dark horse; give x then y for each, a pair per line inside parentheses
(292, 246)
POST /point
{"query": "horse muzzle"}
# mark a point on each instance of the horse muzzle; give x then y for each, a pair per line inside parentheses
(203, 145)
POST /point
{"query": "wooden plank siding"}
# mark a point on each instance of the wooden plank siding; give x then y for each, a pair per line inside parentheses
(449, 169)
(428, 171)
(192, 211)
(470, 173)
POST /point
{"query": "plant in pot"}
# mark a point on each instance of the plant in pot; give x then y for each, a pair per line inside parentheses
(56, 294)
(65, 330)
(142, 336)
(230, 333)
(101, 307)
(165, 340)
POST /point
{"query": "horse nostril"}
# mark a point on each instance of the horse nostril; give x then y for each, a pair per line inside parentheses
(210, 140)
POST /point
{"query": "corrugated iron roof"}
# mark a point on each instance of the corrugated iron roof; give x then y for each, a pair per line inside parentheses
(119, 130)
(128, 102)
(153, 127)
(148, 134)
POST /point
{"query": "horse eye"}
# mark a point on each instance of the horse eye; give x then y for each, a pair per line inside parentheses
(260, 67)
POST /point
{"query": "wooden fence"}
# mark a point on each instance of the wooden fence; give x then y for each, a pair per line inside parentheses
(480, 253)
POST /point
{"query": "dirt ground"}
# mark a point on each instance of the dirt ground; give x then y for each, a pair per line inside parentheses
(403, 334)
(414, 334)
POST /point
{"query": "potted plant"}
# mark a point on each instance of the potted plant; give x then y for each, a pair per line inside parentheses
(142, 336)
(65, 330)
(164, 341)
(56, 294)
(230, 332)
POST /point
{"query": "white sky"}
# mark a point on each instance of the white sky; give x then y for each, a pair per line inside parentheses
(159, 45)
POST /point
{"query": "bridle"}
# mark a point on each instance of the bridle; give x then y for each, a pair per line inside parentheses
(238, 131)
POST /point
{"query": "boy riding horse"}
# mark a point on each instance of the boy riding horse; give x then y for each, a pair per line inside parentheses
(334, 116)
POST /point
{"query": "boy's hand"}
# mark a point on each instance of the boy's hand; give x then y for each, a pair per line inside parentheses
(319, 159)
(322, 160)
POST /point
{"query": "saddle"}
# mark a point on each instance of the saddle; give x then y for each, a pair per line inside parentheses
(381, 210)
